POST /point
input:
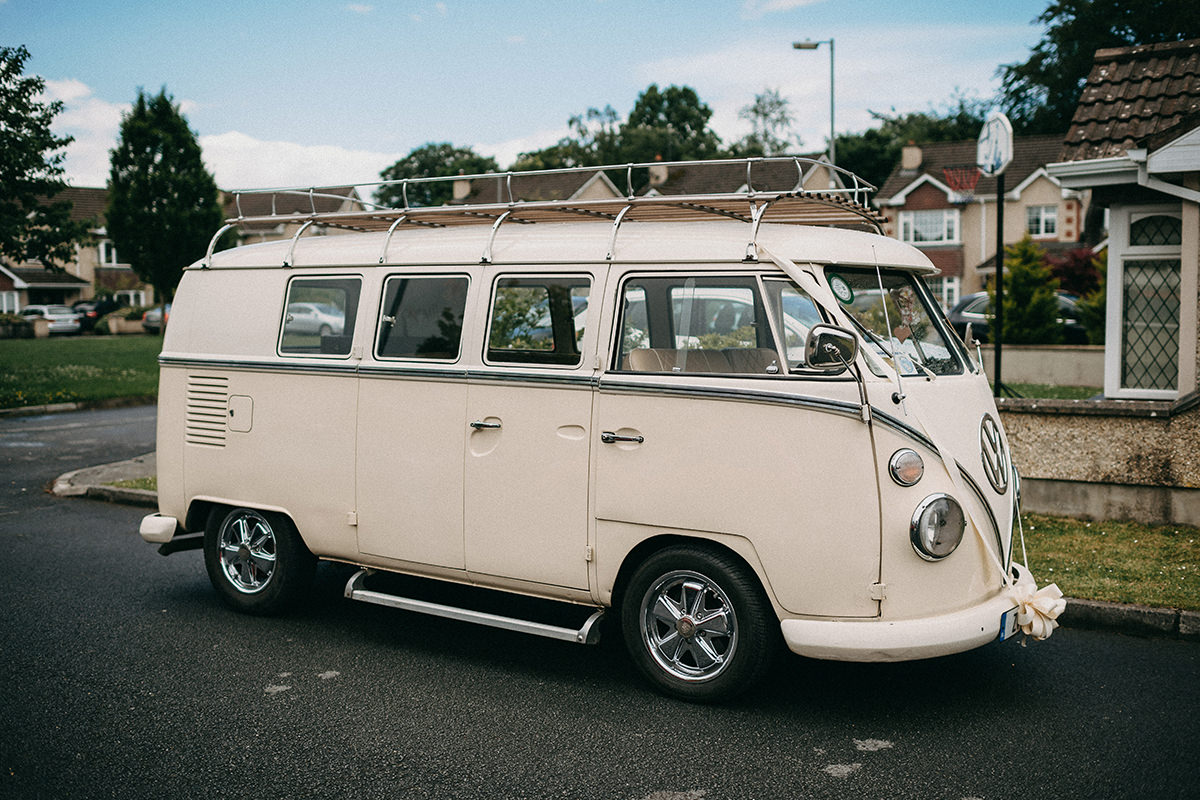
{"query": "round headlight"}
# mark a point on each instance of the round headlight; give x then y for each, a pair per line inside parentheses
(906, 467)
(937, 527)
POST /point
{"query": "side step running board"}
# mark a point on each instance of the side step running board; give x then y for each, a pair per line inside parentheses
(588, 634)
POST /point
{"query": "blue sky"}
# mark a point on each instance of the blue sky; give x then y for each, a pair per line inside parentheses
(311, 92)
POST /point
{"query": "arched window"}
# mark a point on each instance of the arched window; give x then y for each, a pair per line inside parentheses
(1156, 230)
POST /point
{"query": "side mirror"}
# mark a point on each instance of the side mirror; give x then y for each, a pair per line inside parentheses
(829, 348)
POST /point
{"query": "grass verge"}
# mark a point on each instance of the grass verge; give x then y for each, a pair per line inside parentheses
(1120, 562)
(77, 369)
(146, 484)
(1045, 391)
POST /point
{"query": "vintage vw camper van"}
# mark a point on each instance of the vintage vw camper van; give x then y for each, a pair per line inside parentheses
(727, 420)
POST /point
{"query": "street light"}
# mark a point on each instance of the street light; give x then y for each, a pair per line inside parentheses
(807, 45)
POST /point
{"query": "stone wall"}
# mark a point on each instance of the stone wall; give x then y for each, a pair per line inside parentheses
(1108, 459)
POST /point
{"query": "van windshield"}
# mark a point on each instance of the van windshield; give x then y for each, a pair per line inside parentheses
(918, 342)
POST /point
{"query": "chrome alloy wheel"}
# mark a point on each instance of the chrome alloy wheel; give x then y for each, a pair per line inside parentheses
(689, 626)
(247, 549)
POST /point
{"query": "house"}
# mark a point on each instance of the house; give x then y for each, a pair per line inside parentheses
(507, 187)
(929, 207)
(95, 267)
(809, 171)
(290, 203)
(1134, 143)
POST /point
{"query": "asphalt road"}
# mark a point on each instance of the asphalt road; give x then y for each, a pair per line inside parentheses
(122, 676)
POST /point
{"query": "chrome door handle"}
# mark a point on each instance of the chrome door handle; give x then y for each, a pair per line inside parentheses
(477, 425)
(608, 437)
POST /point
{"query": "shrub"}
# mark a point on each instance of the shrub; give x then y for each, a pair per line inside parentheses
(1030, 299)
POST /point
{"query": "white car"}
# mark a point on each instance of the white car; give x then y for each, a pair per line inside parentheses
(318, 318)
(62, 318)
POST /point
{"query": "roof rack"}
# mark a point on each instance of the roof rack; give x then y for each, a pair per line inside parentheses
(843, 205)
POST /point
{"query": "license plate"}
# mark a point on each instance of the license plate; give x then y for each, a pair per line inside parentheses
(1008, 624)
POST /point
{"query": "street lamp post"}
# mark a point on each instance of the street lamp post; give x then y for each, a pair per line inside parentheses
(807, 45)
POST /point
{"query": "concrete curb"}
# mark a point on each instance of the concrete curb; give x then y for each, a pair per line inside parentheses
(83, 405)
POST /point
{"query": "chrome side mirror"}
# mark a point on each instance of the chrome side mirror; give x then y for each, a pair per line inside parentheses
(829, 348)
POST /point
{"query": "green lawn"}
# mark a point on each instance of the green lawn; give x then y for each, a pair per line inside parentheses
(1045, 391)
(1121, 562)
(77, 368)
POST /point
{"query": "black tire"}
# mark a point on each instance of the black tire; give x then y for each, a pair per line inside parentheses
(256, 560)
(697, 624)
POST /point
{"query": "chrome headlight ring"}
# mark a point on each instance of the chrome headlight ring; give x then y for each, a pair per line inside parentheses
(937, 527)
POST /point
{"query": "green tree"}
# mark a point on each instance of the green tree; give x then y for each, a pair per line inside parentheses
(671, 124)
(32, 224)
(163, 207)
(430, 161)
(594, 139)
(1030, 299)
(1040, 94)
(874, 153)
(770, 121)
(1092, 306)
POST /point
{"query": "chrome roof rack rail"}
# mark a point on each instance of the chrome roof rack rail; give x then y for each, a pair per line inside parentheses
(771, 190)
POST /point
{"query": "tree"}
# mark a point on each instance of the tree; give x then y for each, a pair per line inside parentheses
(430, 161)
(33, 226)
(1040, 94)
(671, 124)
(162, 203)
(595, 139)
(873, 153)
(1030, 298)
(770, 120)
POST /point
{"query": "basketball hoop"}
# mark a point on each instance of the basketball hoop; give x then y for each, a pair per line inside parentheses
(962, 179)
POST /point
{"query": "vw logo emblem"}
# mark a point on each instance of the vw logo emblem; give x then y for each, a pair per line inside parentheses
(995, 459)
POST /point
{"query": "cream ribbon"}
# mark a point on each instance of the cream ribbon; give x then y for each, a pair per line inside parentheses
(1037, 609)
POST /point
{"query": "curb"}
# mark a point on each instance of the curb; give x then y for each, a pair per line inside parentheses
(1136, 620)
(82, 405)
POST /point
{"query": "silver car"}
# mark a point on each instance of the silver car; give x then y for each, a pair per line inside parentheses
(319, 318)
(62, 319)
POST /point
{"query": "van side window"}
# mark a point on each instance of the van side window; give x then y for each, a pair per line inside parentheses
(794, 312)
(319, 316)
(422, 318)
(696, 324)
(538, 320)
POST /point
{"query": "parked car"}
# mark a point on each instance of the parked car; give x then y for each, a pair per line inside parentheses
(976, 310)
(315, 318)
(88, 314)
(62, 318)
(154, 320)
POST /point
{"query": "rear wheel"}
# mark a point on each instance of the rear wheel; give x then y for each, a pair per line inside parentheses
(256, 560)
(696, 623)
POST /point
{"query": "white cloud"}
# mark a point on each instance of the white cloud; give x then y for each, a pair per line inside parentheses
(93, 122)
(753, 9)
(239, 161)
(360, 8)
(936, 63)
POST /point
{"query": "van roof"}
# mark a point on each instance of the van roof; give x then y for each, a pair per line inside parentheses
(578, 242)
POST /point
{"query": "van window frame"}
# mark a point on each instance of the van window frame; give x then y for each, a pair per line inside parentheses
(349, 319)
(778, 342)
(581, 344)
(416, 360)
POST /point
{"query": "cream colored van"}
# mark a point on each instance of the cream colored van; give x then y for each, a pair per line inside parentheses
(729, 420)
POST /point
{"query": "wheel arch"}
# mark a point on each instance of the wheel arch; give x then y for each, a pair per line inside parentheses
(735, 547)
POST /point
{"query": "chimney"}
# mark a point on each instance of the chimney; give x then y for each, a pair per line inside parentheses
(910, 157)
(658, 173)
(462, 188)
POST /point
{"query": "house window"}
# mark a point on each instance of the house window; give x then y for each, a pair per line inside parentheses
(131, 297)
(108, 253)
(8, 302)
(946, 290)
(1041, 220)
(935, 226)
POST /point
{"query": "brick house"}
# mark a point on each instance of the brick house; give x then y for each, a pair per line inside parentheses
(95, 267)
(958, 231)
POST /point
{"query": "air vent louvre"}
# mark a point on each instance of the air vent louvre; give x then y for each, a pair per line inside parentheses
(207, 410)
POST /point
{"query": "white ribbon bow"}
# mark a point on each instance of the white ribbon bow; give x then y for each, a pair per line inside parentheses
(1037, 612)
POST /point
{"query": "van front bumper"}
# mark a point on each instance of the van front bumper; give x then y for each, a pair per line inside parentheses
(905, 639)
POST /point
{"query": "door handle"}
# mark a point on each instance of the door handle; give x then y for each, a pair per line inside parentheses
(608, 437)
(477, 425)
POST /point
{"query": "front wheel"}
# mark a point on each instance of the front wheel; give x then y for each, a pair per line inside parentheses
(697, 624)
(256, 560)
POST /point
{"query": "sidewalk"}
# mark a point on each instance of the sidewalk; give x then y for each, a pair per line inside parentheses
(1092, 614)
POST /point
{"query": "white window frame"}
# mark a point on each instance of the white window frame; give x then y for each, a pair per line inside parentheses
(947, 289)
(10, 302)
(108, 253)
(950, 227)
(131, 297)
(1120, 250)
(1036, 226)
